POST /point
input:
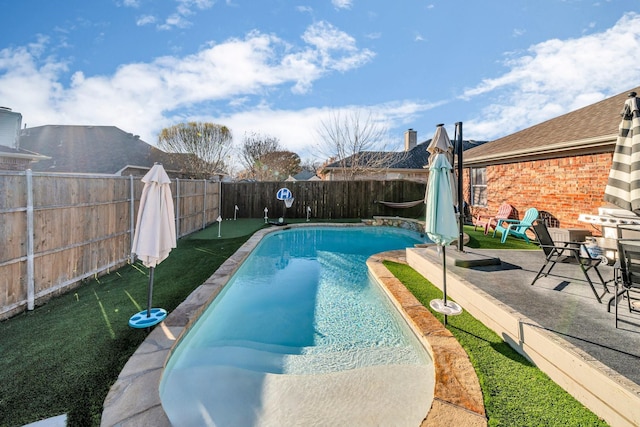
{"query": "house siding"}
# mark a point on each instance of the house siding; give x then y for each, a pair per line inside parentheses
(564, 187)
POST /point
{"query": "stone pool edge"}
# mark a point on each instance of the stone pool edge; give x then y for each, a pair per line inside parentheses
(457, 396)
(134, 399)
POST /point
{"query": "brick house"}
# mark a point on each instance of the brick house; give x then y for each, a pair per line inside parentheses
(12, 159)
(560, 166)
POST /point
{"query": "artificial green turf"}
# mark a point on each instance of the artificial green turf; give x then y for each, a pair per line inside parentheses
(515, 392)
(64, 356)
(477, 239)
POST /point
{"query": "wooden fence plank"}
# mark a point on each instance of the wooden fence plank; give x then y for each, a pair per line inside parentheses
(327, 199)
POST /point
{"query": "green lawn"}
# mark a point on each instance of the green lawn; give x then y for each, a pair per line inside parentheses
(64, 356)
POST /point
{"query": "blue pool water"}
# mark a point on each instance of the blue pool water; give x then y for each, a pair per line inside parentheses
(301, 331)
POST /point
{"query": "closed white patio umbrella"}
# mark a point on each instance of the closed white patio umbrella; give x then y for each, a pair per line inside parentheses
(154, 236)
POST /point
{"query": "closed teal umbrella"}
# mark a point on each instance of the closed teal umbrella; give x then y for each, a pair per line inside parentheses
(441, 223)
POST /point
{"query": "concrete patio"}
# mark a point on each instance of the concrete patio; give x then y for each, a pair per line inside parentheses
(557, 323)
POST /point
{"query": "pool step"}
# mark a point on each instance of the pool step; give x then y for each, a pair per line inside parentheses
(309, 360)
(389, 395)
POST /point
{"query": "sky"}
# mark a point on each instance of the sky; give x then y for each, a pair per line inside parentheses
(281, 68)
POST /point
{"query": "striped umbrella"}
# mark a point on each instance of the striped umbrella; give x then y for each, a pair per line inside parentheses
(623, 186)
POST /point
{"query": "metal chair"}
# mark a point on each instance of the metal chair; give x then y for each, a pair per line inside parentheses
(567, 252)
(628, 276)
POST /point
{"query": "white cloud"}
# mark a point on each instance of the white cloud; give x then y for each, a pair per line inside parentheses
(342, 4)
(185, 8)
(337, 49)
(145, 20)
(176, 20)
(142, 98)
(131, 3)
(304, 9)
(558, 76)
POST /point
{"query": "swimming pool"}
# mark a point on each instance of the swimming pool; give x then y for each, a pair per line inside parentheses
(301, 335)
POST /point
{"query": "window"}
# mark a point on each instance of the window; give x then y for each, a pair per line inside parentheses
(479, 187)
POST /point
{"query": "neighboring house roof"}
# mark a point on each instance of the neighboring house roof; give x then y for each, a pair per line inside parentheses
(304, 176)
(416, 158)
(91, 149)
(591, 129)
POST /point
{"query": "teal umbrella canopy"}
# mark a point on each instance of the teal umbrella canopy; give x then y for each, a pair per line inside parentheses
(441, 224)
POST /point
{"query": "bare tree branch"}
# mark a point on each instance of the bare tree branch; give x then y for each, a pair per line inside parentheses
(206, 146)
(356, 140)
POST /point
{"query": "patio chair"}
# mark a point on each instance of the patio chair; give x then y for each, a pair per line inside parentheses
(487, 221)
(517, 228)
(567, 252)
(628, 275)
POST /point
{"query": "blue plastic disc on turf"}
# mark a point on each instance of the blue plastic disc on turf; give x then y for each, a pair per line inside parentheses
(141, 320)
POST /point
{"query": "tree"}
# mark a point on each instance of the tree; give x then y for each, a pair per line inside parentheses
(205, 145)
(277, 166)
(356, 140)
(254, 147)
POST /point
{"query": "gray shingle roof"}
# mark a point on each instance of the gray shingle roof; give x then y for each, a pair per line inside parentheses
(90, 149)
(416, 158)
(595, 124)
(304, 175)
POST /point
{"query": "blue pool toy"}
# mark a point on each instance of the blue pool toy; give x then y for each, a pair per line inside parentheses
(140, 320)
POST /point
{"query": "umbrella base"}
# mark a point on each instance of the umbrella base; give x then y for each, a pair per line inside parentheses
(141, 320)
(450, 309)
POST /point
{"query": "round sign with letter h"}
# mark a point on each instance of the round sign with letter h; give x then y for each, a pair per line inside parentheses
(283, 194)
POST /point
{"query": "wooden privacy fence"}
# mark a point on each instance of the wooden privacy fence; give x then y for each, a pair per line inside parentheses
(58, 229)
(327, 199)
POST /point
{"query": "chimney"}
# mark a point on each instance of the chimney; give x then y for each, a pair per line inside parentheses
(410, 139)
(10, 124)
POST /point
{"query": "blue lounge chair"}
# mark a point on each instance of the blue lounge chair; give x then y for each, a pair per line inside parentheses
(517, 228)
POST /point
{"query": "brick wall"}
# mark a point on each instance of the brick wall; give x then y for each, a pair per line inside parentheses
(563, 187)
(14, 164)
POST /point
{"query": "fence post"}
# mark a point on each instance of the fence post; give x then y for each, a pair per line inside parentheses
(204, 205)
(30, 269)
(132, 223)
(177, 207)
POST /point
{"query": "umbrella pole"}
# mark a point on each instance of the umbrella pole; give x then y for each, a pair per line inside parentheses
(460, 201)
(150, 291)
(444, 280)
